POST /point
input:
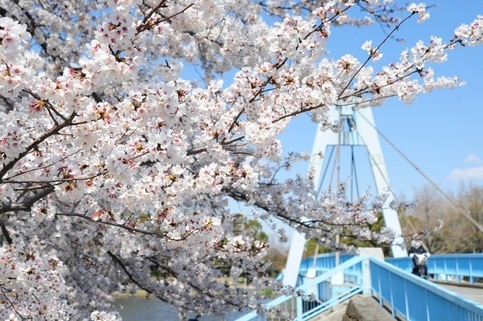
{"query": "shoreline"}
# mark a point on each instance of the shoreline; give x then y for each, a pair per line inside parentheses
(137, 294)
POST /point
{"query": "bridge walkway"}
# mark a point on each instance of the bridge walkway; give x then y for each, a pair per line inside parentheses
(472, 292)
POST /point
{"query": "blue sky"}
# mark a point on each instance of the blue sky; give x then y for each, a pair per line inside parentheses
(440, 132)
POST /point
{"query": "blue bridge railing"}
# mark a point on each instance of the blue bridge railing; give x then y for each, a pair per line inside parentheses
(301, 307)
(460, 268)
(417, 299)
(405, 295)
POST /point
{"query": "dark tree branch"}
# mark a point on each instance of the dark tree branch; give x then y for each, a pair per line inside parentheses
(8, 166)
(27, 204)
(5, 232)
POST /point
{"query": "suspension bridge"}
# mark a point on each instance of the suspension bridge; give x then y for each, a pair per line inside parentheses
(454, 291)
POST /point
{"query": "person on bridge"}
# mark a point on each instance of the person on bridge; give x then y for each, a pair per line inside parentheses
(417, 249)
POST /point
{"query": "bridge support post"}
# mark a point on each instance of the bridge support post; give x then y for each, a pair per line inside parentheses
(300, 308)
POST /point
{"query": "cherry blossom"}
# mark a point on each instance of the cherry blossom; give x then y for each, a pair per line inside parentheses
(119, 172)
(420, 9)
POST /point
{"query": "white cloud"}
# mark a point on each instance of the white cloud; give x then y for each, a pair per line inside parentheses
(467, 174)
(473, 159)
(474, 171)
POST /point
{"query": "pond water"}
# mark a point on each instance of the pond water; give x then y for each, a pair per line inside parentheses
(142, 309)
(139, 308)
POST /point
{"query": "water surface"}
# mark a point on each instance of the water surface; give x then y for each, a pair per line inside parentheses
(142, 309)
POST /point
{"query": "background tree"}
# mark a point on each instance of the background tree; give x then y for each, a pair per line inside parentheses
(460, 234)
(278, 260)
(443, 227)
(424, 218)
(313, 247)
(249, 227)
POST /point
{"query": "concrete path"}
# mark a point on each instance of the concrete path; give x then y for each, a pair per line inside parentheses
(474, 293)
(334, 314)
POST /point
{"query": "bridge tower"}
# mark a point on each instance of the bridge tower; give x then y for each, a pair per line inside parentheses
(357, 128)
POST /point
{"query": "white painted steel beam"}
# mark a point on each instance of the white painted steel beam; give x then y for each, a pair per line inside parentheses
(360, 131)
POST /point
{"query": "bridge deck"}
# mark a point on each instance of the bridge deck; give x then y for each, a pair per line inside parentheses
(474, 293)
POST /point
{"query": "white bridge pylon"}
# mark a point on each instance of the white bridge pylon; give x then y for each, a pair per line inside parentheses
(359, 130)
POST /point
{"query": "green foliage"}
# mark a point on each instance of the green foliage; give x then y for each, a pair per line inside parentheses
(311, 245)
(246, 227)
(311, 248)
(267, 292)
(375, 227)
(251, 228)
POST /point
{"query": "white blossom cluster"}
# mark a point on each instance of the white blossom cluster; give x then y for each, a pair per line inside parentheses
(117, 173)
